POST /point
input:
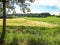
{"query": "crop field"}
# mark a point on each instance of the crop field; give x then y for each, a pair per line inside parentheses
(32, 31)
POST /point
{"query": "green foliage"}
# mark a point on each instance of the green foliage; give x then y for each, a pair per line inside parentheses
(22, 1)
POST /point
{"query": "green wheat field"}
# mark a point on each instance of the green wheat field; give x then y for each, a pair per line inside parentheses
(32, 31)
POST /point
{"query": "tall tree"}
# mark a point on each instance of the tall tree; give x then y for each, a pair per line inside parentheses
(1, 8)
(4, 23)
(4, 15)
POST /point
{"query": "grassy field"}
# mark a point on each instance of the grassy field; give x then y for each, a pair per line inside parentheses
(51, 19)
(32, 31)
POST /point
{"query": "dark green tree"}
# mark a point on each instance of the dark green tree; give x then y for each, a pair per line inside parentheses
(1, 9)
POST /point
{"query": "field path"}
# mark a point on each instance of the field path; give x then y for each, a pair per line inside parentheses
(25, 22)
(41, 24)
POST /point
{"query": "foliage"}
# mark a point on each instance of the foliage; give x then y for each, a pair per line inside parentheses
(10, 4)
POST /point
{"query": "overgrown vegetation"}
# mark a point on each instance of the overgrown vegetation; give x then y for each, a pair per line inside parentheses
(19, 33)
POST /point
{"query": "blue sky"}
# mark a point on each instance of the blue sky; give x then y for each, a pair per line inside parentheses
(44, 8)
(52, 6)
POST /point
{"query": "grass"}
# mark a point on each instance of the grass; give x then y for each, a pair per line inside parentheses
(32, 31)
(51, 19)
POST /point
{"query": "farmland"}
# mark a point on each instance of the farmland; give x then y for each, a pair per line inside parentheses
(32, 31)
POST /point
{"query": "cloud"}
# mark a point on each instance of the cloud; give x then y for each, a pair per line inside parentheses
(40, 11)
(52, 6)
(47, 2)
(17, 9)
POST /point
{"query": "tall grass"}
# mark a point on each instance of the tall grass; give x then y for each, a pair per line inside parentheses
(27, 35)
(32, 35)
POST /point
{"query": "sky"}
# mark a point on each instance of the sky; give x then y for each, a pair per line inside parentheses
(51, 6)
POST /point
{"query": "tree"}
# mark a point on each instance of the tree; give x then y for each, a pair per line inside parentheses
(23, 5)
(44, 14)
(1, 9)
(4, 16)
(4, 23)
(14, 12)
(1, 6)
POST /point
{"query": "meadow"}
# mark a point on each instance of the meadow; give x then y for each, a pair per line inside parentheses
(32, 31)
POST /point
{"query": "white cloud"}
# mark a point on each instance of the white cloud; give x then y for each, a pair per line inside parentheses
(47, 2)
(42, 2)
(17, 9)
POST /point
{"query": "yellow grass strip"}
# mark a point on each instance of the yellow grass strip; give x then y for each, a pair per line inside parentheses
(25, 22)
